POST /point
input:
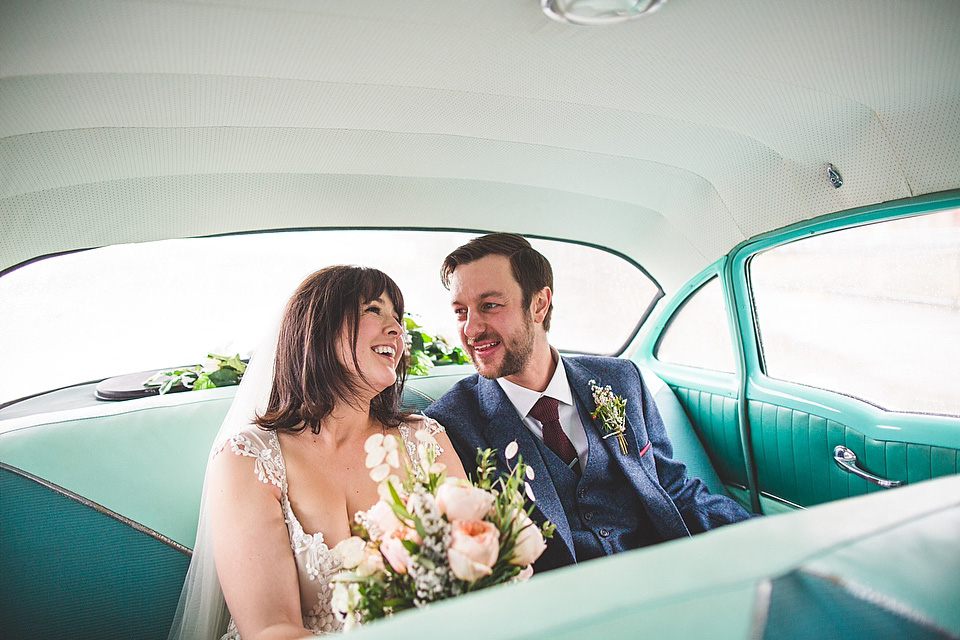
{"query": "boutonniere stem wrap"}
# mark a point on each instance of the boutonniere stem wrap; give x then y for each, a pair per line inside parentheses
(611, 413)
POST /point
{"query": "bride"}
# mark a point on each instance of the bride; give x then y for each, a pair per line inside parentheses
(287, 473)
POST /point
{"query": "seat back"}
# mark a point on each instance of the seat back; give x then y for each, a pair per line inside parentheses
(99, 546)
(71, 569)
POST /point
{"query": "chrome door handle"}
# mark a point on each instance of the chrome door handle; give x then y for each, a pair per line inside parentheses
(847, 460)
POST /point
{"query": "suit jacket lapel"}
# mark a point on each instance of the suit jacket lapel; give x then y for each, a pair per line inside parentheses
(659, 505)
(504, 426)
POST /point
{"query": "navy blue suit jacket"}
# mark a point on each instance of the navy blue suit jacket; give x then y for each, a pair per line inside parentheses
(477, 414)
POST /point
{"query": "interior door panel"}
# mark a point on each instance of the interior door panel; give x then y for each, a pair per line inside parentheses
(794, 457)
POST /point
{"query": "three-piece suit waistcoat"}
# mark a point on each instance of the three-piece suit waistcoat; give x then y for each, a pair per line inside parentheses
(603, 519)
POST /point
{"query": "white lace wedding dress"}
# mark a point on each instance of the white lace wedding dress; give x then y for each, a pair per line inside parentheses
(316, 564)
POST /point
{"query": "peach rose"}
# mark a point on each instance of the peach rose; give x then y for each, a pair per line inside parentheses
(463, 501)
(382, 517)
(474, 546)
(530, 543)
(393, 550)
(525, 574)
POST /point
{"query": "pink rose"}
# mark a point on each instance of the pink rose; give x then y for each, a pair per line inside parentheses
(462, 501)
(530, 543)
(383, 519)
(393, 550)
(474, 546)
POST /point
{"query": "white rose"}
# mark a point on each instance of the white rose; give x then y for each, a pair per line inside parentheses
(351, 551)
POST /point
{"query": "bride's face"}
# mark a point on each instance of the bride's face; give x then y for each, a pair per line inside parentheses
(379, 346)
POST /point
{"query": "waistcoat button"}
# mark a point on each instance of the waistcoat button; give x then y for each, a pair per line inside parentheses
(604, 533)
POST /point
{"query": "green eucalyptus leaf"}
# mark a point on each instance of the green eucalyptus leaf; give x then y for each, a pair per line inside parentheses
(168, 384)
(420, 363)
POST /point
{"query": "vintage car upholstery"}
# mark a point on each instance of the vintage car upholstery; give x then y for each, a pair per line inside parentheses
(139, 498)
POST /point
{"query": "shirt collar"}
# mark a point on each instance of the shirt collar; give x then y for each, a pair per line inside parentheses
(523, 399)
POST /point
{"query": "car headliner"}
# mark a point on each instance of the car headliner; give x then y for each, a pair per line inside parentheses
(670, 138)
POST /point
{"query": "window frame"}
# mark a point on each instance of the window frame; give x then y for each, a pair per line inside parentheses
(679, 308)
(720, 382)
(871, 420)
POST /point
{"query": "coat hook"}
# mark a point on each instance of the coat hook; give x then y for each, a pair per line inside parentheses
(834, 176)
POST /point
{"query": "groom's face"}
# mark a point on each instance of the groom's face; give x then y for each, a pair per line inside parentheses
(496, 328)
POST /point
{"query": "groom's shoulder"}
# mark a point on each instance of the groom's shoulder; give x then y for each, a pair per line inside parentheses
(602, 364)
(463, 393)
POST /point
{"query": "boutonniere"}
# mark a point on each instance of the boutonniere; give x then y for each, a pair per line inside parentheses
(611, 412)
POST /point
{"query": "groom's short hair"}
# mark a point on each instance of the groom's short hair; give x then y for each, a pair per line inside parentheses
(530, 269)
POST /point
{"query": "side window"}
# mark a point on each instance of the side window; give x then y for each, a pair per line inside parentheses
(871, 312)
(698, 335)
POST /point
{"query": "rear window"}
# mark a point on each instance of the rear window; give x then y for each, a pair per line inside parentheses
(105, 312)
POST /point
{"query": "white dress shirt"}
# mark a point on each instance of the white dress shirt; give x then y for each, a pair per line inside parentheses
(523, 400)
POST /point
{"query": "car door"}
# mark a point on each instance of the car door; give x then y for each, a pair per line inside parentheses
(845, 334)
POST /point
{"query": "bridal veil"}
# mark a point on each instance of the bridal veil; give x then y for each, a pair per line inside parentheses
(202, 612)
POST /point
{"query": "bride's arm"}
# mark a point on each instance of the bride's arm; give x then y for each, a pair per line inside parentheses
(449, 456)
(251, 548)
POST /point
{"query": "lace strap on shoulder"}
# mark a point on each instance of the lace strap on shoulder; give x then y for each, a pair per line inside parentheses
(268, 462)
(424, 424)
(432, 427)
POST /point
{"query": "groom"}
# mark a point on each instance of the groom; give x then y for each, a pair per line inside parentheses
(601, 499)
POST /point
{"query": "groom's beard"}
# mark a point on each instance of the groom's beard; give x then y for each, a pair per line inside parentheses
(516, 351)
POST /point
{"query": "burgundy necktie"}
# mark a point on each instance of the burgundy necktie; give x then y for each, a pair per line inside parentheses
(553, 436)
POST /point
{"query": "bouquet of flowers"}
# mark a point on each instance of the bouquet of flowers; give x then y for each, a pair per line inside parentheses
(431, 538)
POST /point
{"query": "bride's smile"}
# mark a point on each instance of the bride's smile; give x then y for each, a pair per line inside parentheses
(379, 344)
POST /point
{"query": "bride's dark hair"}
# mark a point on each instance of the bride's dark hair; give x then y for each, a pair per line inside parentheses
(308, 377)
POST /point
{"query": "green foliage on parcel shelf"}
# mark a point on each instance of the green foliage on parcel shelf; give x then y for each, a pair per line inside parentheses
(424, 350)
(220, 371)
(427, 351)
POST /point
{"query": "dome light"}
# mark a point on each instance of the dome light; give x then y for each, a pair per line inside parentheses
(597, 12)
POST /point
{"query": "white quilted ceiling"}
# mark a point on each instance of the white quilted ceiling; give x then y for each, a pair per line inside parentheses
(670, 138)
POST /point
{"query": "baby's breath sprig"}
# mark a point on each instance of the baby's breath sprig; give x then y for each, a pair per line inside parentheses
(611, 412)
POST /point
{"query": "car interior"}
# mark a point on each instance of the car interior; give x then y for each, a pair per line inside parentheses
(781, 181)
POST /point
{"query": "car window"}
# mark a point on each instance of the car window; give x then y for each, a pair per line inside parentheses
(697, 335)
(871, 312)
(94, 314)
